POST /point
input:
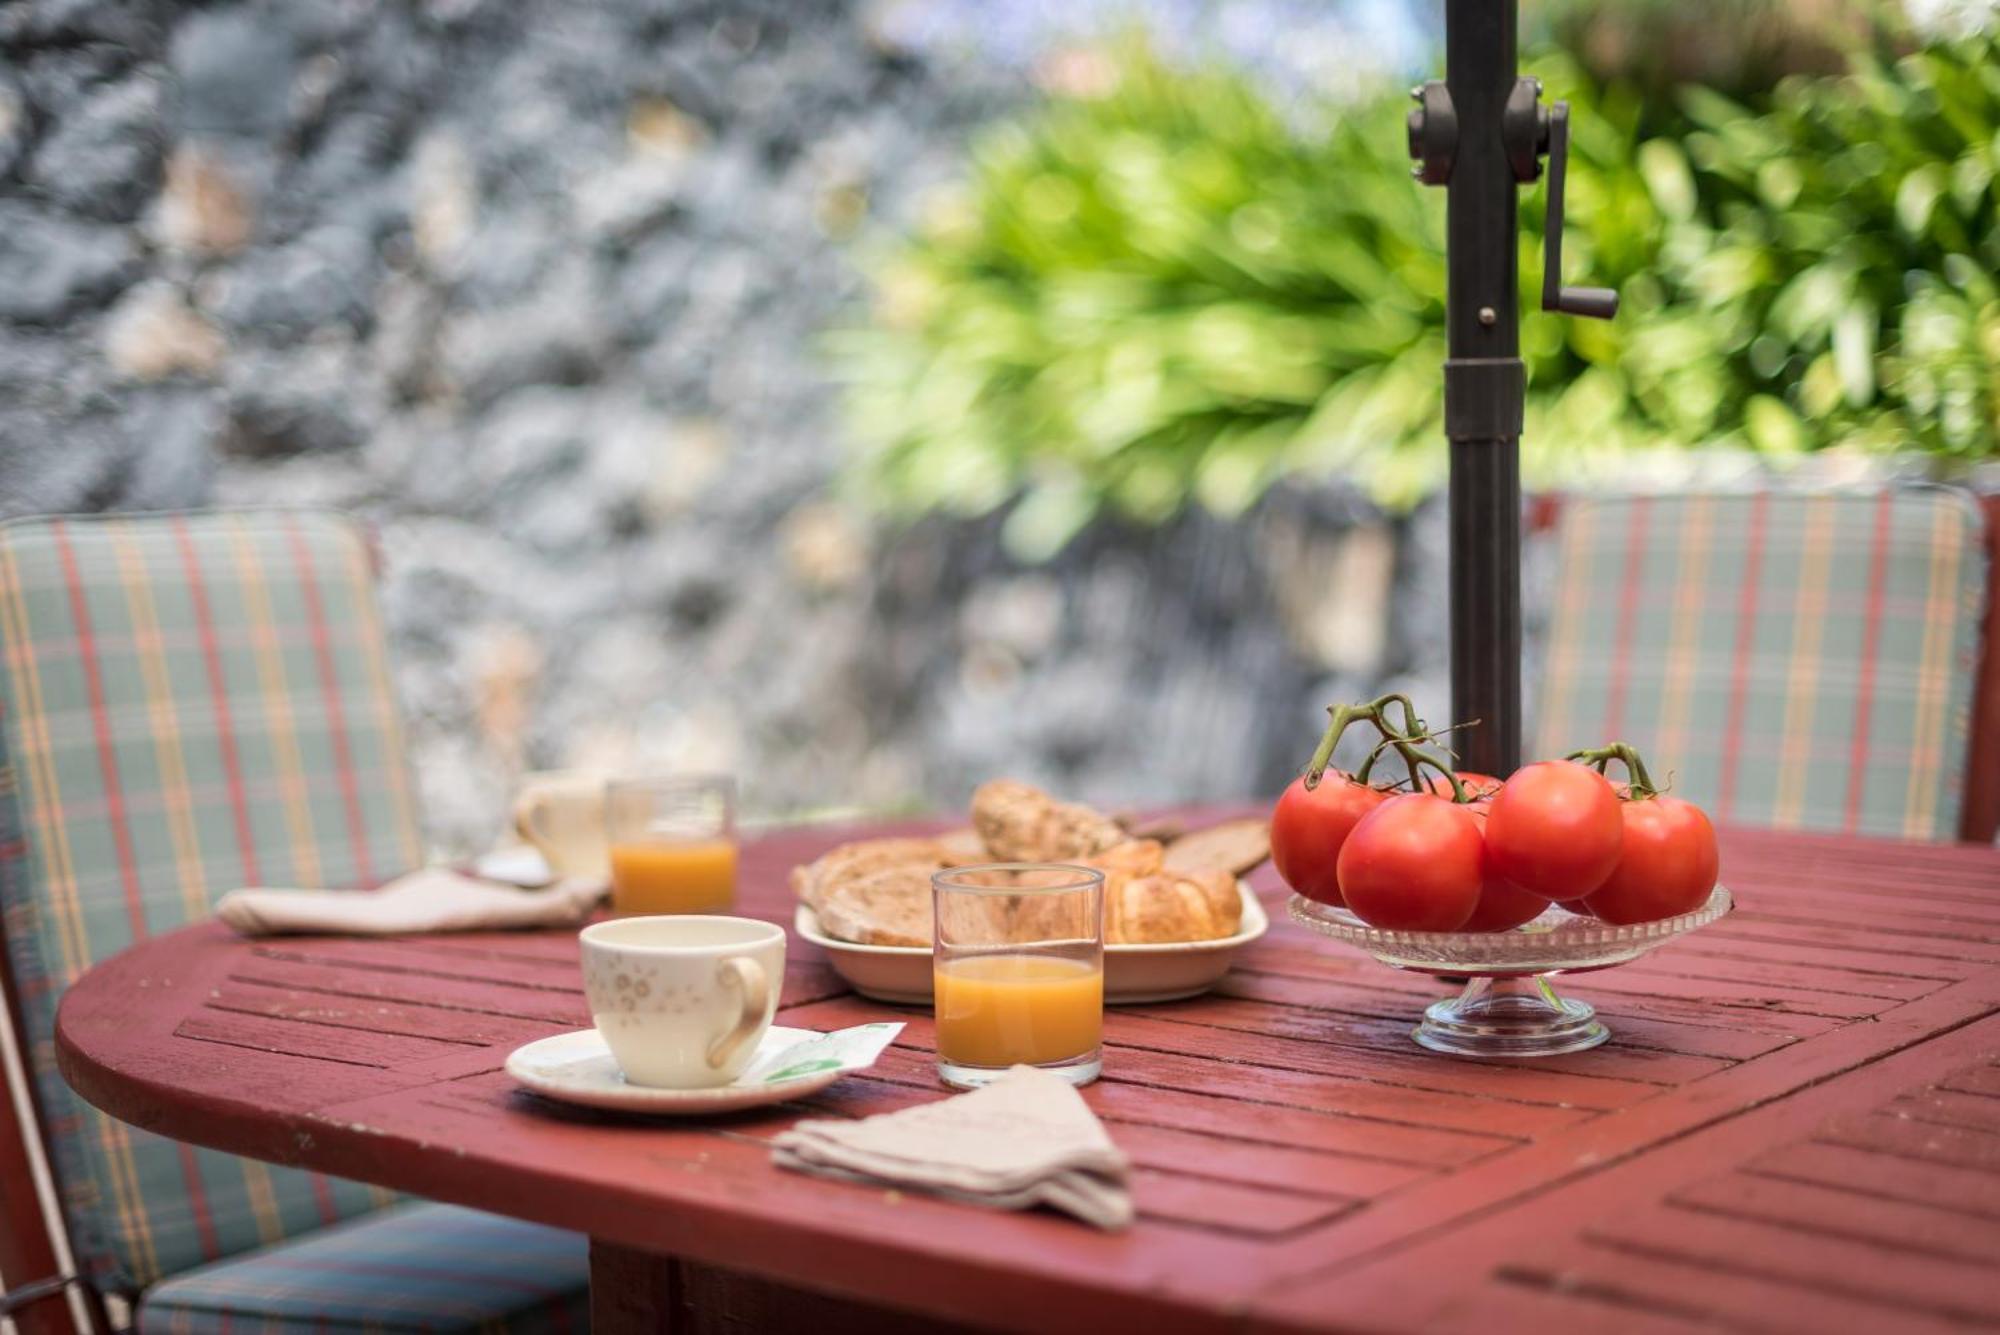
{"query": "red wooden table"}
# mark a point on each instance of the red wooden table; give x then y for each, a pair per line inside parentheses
(1795, 1126)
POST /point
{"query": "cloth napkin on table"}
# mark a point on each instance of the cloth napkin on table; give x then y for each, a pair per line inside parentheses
(435, 899)
(1027, 1139)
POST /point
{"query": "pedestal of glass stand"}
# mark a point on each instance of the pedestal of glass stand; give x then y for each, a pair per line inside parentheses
(1510, 1017)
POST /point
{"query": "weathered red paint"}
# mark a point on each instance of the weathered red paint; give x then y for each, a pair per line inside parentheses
(1979, 819)
(1300, 1166)
(27, 1249)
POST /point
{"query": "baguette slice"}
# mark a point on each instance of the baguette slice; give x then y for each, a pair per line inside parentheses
(1235, 847)
(889, 907)
(875, 891)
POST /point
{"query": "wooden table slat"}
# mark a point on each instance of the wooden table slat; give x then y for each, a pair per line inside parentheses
(1514, 1306)
(1613, 1280)
(1883, 1176)
(1975, 1080)
(1819, 1208)
(1809, 1258)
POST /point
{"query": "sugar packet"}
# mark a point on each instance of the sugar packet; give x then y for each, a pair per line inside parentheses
(851, 1049)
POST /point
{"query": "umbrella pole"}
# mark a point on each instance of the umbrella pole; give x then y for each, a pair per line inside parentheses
(1481, 133)
(1484, 381)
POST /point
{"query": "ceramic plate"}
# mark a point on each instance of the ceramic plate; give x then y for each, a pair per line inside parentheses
(578, 1068)
(1132, 974)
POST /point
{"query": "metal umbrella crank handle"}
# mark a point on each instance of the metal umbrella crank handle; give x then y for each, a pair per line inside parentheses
(1599, 303)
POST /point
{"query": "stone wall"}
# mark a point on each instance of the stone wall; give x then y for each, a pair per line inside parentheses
(534, 286)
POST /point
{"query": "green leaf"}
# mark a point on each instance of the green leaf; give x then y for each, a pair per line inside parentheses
(1854, 353)
(1917, 196)
(1773, 428)
(1047, 517)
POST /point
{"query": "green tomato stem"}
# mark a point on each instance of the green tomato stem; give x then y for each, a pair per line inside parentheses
(1338, 717)
(1401, 737)
(1640, 781)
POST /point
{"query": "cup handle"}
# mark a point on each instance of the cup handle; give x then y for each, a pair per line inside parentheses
(525, 808)
(755, 985)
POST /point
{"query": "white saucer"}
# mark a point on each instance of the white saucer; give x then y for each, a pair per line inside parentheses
(578, 1068)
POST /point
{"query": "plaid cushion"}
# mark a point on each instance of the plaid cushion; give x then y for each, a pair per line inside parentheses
(1797, 661)
(187, 704)
(411, 1267)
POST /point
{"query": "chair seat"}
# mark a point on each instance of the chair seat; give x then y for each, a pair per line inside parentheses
(417, 1266)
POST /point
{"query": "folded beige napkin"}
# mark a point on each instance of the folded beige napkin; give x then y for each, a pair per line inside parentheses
(1027, 1139)
(436, 899)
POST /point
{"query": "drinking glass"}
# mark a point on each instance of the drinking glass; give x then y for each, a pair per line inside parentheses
(673, 843)
(1018, 971)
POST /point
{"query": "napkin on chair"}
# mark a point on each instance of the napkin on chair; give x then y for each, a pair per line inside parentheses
(1027, 1139)
(435, 899)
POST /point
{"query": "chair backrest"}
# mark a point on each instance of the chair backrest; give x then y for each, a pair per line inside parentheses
(1799, 661)
(188, 703)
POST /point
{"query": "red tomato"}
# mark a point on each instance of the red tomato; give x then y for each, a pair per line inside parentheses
(1667, 867)
(1555, 829)
(1413, 864)
(1477, 785)
(1501, 906)
(1310, 825)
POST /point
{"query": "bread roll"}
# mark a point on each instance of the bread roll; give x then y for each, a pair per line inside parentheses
(1020, 823)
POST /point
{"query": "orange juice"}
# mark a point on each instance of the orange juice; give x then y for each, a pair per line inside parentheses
(697, 876)
(996, 1010)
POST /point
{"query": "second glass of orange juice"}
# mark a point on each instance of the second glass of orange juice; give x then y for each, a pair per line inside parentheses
(1018, 971)
(673, 844)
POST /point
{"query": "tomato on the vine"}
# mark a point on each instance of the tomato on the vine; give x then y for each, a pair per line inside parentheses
(1667, 866)
(1310, 825)
(1476, 785)
(1415, 863)
(1501, 906)
(1554, 830)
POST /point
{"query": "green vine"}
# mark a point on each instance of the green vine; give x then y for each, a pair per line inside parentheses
(1404, 737)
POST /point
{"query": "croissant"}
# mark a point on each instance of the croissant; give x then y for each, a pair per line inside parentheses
(1172, 906)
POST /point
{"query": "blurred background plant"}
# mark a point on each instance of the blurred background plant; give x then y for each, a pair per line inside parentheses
(1158, 287)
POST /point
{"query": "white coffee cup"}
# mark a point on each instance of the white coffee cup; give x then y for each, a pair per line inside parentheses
(561, 812)
(682, 999)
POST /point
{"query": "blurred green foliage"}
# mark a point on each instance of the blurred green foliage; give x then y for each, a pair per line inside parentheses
(1167, 291)
(1738, 47)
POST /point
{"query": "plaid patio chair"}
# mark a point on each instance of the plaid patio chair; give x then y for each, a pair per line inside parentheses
(1794, 661)
(189, 703)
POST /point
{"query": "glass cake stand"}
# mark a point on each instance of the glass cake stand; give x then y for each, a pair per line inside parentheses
(1508, 1008)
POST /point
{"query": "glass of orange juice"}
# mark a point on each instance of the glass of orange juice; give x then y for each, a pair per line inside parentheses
(1018, 971)
(673, 843)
